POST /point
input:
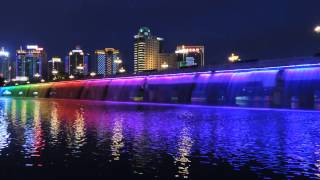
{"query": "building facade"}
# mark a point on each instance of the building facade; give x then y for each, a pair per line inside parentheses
(55, 68)
(190, 56)
(5, 67)
(108, 62)
(77, 63)
(31, 64)
(167, 61)
(146, 51)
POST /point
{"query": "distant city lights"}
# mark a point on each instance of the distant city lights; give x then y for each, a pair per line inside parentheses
(56, 59)
(92, 74)
(32, 47)
(188, 50)
(164, 65)
(234, 58)
(317, 29)
(55, 72)
(4, 53)
(37, 75)
(122, 70)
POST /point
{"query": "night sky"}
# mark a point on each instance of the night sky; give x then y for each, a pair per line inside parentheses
(253, 28)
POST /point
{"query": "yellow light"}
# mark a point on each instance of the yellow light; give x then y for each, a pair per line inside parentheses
(118, 61)
(234, 58)
(56, 59)
(164, 65)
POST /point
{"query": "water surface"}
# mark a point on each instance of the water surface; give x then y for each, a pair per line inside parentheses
(82, 138)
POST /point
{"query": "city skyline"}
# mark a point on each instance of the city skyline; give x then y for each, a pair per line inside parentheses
(216, 25)
(167, 89)
(30, 63)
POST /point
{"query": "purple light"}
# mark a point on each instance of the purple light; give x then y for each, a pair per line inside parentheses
(268, 68)
(178, 79)
(209, 107)
(307, 73)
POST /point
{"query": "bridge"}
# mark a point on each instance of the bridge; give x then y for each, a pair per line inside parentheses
(283, 83)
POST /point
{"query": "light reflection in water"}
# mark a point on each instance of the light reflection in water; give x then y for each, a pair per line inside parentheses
(33, 134)
(4, 134)
(76, 137)
(117, 139)
(79, 128)
(54, 123)
(158, 141)
(184, 149)
(13, 111)
(24, 113)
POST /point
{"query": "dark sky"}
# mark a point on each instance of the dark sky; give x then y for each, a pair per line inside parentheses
(254, 28)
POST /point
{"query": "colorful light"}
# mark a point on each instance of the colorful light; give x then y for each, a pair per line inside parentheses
(268, 68)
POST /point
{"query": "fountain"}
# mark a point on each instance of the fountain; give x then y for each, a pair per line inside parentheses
(293, 86)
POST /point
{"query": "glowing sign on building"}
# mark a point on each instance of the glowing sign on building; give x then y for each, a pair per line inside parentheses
(190, 56)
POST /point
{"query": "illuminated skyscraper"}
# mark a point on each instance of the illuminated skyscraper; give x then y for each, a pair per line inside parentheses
(31, 64)
(108, 61)
(190, 56)
(5, 65)
(76, 63)
(146, 51)
(55, 68)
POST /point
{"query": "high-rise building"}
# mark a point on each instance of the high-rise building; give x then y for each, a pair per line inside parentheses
(190, 56)
(55, 68)
(108, 61)
(146, 51)
(76, 63)
(31, 64)
(167, 61)
(5, 67)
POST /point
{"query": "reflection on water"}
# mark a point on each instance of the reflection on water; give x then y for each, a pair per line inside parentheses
(184, 150)
(164, 142)
(117, 139)
(4, 134)
(54, 123)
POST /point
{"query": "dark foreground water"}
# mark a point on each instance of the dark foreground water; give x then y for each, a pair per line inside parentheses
(82, 138)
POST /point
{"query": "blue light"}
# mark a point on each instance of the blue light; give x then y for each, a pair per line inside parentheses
(269, 68)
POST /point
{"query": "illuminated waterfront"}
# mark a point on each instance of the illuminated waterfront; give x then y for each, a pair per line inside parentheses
(70, 137)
